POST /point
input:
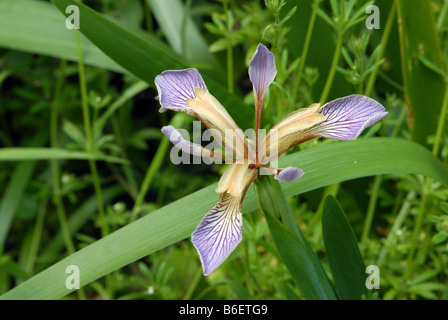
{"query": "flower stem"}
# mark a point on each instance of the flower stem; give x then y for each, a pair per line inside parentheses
(37, 234)
(441, 124)
(383, 44)
(62, 217)
(229, 51)
(154, 167)
(401, 217)
(306, 46)
(184, 28)
(89, 137)
(425, 195)
(149, 176)
(148, 18)
(371, 208)
(330, 78)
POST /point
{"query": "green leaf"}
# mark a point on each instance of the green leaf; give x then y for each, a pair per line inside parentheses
(323, 165)
(342, 250)
(77, 220)
(15, 189)
(21, 154)
(289, 292)
(424, 89)
(74, 133)
(292, 246)
(145, 58)
(13, 195)
(37, 27)
(181, 32)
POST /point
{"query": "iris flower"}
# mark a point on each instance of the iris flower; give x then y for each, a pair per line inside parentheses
(220, 231)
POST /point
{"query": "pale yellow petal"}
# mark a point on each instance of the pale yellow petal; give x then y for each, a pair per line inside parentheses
(236, 179)
(221, 125)
(288, 132)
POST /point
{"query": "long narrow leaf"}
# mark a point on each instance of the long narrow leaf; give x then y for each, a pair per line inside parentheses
(13, 195)
(424, 89)
(21, 153)
(181, 32)
(294, 249)
(342, 251)
(144, 58)
(36, 27)
(323, 165)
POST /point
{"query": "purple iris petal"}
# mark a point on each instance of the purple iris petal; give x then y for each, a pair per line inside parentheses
(289, 174)
(175, 86)
(192, 148)
(262, 70)
(219, 232)
(179, 142)
(347, 117)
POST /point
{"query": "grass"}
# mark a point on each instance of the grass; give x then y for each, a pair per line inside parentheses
(85, 172)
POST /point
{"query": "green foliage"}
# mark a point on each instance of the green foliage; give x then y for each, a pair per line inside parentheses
(85, 175)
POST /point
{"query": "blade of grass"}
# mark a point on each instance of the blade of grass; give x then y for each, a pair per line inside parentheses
(15, 189)
(23, 154)
(37, 27)
(181, 32)
(78, 218)
(13, 195)
(423, 87)
(145, 58)
(323, 165)
(294, 249)
(342, 250)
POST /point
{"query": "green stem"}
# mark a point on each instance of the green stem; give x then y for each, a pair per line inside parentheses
(306, 46)
(383, 44)
(54, 164)
(441, 124)
(317, 219)
(442, 16)
(277, 31)
(37, 234)
(62, 217)
(154, 167)
(330, 78)
(88, 130)
(149, 176)
(424, 199)
(398, 223)
(425, 195)
(229, 51)
(184, 28)
(148, 17)
(371, 209)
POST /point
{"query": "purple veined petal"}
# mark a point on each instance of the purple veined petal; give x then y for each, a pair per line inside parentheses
(192, 148)
(219, 232)
(347, 117)
(262, 71)
(175, 86)
(289, 174)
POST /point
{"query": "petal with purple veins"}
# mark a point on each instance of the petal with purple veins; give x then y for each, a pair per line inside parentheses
(347, 117)
(175, 86)
(262, 71)
(219, 232)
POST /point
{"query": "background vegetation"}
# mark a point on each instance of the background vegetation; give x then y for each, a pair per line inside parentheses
(85, 175)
